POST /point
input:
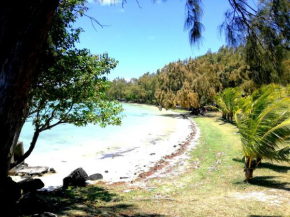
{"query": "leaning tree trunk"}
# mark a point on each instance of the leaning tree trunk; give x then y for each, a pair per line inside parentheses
(29, 151)
(23, 31)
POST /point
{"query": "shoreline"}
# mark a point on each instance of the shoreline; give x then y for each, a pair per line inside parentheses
(125, 164)
(168, 162)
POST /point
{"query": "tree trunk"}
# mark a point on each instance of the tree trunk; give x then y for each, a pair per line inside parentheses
(248, 169)
(29, 151)
(248, 174)
(224, 116)
(23, 31)
(250, 165)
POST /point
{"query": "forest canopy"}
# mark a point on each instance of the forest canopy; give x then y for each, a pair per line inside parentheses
(192, 83)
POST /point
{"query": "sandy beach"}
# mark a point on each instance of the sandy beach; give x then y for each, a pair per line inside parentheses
(128, 157)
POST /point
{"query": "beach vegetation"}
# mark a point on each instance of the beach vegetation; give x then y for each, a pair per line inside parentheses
(228, 102)
(210, 184)
(32, 34)
(73, 92)
(264, 126)
(194, 83)
(72, 83)
(139, 90)
(25, 42)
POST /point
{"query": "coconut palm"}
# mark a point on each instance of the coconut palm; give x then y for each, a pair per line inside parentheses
(227, 102)
(264, 126)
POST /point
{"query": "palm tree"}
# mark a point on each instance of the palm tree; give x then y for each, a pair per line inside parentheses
(227, 102)
(264, 125)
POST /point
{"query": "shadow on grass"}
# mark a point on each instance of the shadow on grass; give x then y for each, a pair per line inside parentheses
(274, 167)
(225, 121)
(90, 201)
(277, 168)
(209, 115)
(269, 181)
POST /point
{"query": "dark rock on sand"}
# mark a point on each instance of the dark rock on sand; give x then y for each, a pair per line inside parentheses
(77, 177)
(30, 184)
(96, 176)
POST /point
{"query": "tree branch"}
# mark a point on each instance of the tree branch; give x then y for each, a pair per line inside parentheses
(32, 145)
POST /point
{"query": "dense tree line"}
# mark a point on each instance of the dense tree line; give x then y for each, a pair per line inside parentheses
(139, 90)
(25, 27)
(258, 54)
(193, 83)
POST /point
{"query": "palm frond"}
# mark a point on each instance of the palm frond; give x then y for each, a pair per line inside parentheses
(264, 123)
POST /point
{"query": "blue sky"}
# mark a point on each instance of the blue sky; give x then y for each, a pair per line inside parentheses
(145, 39)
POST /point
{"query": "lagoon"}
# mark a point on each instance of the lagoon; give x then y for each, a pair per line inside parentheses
(145, 136)
(136, 122)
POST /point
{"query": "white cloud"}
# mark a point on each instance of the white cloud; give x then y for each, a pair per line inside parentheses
(108, 2)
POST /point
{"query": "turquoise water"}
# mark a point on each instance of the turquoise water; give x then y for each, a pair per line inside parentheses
(67, 136)
(145, 136)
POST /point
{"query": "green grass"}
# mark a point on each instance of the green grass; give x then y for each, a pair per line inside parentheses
(213, 188)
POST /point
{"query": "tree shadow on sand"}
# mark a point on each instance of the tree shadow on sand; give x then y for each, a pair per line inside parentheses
(90, 201)
(269, 181)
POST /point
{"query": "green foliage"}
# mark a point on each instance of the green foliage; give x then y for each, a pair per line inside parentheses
(192, 83)
(187, 98)
(139, 90)
(200, 79)
(74, 91)
(259, 40)
(267, 49)
(264, 123)
(117, 89)
(170, 81)
(72, 84)
(228, 101)
(264, 126)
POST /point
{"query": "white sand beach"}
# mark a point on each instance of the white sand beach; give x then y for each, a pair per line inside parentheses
(129, 155)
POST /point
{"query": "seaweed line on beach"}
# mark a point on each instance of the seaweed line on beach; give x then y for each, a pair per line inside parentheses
(165, 160)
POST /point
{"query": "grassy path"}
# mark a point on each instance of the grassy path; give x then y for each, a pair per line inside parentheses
(212, 185)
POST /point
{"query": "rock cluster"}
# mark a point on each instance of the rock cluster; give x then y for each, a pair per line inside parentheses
(21, 197)
(78, 177)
